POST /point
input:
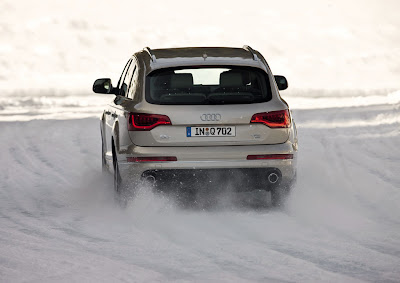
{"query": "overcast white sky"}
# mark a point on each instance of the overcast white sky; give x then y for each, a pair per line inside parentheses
(316, 44)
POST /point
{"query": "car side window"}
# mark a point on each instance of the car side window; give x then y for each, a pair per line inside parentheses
(123, 91)
(122, 78)
(132, 82)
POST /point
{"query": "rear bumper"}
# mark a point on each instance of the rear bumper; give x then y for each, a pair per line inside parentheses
(215, 157)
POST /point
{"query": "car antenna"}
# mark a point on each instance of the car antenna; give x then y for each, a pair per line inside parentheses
(152, 56)
(251, 50)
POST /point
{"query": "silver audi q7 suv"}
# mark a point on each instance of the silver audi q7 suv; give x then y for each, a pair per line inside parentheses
(189, 113)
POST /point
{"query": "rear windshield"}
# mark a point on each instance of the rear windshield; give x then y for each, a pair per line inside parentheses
(208, 85)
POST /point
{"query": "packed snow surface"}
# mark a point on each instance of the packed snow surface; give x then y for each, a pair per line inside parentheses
(59, 220)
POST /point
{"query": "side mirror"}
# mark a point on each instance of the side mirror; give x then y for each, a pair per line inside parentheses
(103, 86)
(281, 82)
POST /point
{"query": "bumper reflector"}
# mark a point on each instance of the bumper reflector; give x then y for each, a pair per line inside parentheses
(151, 159)
(269, 156)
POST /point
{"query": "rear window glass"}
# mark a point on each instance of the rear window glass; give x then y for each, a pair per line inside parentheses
(208, 85)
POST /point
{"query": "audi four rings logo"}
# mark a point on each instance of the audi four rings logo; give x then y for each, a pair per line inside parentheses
(210, 117)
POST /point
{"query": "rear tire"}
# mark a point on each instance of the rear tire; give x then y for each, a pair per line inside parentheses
(121, 191)
(117, 176)
(121, 195)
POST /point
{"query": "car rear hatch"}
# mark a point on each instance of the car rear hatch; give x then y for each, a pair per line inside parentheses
(208, 126)
(209, 106)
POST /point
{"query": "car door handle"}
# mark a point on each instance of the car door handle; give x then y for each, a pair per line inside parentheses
(107, 112)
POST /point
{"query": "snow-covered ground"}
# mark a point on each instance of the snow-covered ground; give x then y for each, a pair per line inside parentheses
(58, 218)
(59, 221)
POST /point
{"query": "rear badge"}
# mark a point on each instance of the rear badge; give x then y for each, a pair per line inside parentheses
(210, 117)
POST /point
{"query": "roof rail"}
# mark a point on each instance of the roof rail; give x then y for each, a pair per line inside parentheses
(152, 56)
(251, 50)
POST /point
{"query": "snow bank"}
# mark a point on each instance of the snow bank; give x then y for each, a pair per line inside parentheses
(316, 44)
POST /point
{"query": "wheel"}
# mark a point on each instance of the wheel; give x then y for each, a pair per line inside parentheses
(117, 176)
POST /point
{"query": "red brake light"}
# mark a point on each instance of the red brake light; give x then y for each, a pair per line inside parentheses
(274, 119)
(146, 122)
(151, 159)
(270, 156)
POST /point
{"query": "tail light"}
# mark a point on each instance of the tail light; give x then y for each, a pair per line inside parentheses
(151, 159)
(274, 119)
(269, 156)
(146, 122)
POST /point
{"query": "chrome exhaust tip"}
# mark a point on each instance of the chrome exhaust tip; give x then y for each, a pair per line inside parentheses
(273, 178)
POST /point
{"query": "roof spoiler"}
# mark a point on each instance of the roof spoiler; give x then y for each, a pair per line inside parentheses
(251, 50)
(152, 56)
(245, 47)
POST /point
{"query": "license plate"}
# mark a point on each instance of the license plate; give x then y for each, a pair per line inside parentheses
(210, 131)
